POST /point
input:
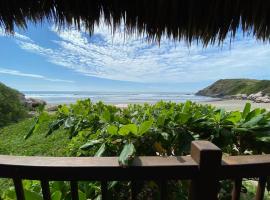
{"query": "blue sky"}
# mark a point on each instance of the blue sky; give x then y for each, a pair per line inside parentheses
(45, 59)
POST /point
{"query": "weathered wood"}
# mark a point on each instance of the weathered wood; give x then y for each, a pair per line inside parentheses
(134, 189)
(236, 192)
(245, 166)
(102, 168)
(163, 189)
(19, 188)
(104, 190)
(261, 188)
(74, 190)
(203, 164)
(208, 156)
(45, 189)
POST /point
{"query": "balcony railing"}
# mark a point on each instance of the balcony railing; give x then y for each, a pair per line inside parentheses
(205, 167)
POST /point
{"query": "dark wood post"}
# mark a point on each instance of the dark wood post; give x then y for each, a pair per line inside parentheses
(206, 185)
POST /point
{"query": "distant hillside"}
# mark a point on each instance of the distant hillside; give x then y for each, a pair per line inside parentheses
(227, 87)
(11, 105)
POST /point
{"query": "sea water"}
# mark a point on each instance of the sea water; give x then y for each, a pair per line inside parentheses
(60, 97)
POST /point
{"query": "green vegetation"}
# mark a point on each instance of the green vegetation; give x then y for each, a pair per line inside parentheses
(12, 140)
(12, 143)
(87, 129)
(226, 87)
(11, 107)
(161, 129)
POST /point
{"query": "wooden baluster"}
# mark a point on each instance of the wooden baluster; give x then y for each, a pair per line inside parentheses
(261, 188)
(104, 190)
(236, 189)
(208, 156)
(45, 189)
(163, 189)
(19, 188)
(134, 190)
(74, 190)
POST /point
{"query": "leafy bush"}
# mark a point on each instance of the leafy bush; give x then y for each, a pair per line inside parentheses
(162, 129)
(11, 107)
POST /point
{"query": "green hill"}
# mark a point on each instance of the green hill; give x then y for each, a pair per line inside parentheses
(11, 105)
(227, 87)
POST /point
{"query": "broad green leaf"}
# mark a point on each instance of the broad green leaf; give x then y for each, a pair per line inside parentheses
(54, 126)
(56, 195)
(165, 135)
(90, 144)
(186, 106)
(234, 117)
(112, 130)
(30, 195)
(127, 154)
(263, 139)
(106, 116)
(69, 122)
(144, 127)
(252, 114)
(101, 150)
(129, 128)
(32, 129)
(161, 120)
(82, 196)
(183, 118)
(253, 121)
(246, 110)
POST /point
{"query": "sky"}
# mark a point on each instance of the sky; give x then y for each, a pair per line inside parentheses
(42, 58)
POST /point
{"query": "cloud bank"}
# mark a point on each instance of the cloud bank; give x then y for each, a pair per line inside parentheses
(130, 59)
(37, 76)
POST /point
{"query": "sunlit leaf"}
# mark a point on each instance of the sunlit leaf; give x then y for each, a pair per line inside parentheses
(246, 110)
(144, 127)
(127, 154)
(112, 130)
(32, 129)
(101, 150)
(57, 195)
(129, 128)
(30, 195)
(90, 144)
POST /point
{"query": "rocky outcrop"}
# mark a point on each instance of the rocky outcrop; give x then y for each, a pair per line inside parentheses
(258, 97)
(32, 103)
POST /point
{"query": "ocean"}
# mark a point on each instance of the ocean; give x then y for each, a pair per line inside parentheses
(61, 97)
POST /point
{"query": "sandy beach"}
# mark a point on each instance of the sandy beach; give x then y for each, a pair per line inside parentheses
(226, 104)
(236, 104)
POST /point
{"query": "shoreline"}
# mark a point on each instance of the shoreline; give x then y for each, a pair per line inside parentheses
(227, 104)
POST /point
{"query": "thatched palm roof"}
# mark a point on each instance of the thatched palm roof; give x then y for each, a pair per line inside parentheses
(201, 20)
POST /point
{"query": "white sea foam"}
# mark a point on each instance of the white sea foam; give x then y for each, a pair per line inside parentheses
(55, 97)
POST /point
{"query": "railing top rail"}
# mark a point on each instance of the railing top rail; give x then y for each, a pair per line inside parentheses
(245, 166)
(97, 168)
(91, 162)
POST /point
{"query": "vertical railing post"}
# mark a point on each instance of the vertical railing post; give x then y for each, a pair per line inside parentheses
(206, 185)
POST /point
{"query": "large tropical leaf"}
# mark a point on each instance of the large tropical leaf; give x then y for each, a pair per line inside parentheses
(144, 127)
(127, 154)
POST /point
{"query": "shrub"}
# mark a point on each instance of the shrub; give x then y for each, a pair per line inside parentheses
(11, 105)
(163, 129)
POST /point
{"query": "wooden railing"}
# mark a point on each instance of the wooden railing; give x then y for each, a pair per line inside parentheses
(205, 168)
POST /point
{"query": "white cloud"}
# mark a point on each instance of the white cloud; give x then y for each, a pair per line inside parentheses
(18, 73)
(15, 35)
(131, 59)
